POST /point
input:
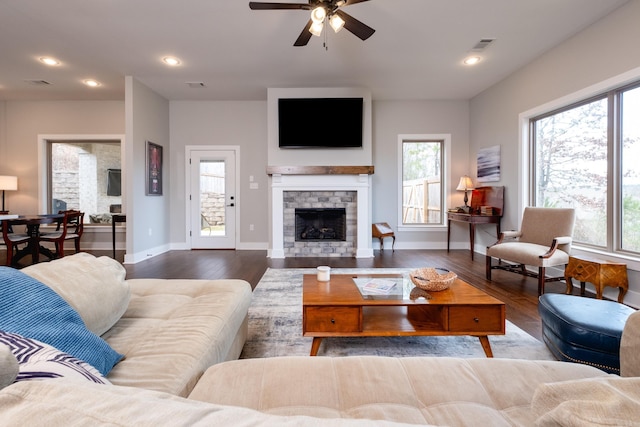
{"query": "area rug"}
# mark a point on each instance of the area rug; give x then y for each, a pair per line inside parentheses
(275, 328)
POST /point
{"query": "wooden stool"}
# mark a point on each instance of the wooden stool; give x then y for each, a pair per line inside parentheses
(599, 272)
(382, 230)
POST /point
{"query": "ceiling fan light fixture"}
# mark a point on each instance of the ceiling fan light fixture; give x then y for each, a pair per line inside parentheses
(316, 28)
(318, 14)
(336, 23)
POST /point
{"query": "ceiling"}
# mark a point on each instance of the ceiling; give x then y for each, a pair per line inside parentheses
(415, 53)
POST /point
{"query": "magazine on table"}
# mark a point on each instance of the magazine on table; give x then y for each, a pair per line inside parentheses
(379, 286)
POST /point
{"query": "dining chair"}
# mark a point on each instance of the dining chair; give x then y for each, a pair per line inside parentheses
(70, 228)
(12, 239)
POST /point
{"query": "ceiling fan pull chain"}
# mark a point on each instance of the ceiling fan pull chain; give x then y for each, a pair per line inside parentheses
(325, 43)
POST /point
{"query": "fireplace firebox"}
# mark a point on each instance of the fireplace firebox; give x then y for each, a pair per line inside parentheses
(325, 224)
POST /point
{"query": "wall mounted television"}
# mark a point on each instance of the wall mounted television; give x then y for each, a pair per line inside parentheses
(320, 122)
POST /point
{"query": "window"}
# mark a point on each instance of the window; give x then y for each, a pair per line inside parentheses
(422, 187)
(85, 175)
(584, 156)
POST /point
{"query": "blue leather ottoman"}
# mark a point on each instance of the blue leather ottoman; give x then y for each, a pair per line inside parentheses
(583, 330)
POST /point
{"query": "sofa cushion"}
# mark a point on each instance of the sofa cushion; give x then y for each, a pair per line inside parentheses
(419, 390)
(174, 329)
(609, 401)
(630, 347)
(33, 310)
(8, 366)
(62, 403)
(94, 286)
(39, 361)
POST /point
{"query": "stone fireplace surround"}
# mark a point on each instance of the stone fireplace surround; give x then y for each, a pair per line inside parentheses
(322, 179)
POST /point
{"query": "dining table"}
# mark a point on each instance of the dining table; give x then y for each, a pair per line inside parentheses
(33, 223)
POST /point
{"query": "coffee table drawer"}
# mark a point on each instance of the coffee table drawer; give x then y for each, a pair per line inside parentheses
(476, 319)
(332, 319)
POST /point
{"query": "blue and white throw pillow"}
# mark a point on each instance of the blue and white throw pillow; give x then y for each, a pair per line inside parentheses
(33, 310)
(39, 361)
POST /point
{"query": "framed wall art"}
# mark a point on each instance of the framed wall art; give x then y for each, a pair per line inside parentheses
(154, 169)
(489, 164)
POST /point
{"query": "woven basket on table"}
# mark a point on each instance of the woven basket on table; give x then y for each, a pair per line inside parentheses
(430, 279)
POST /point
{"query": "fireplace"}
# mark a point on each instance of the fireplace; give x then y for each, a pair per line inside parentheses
(324, 188)
(324, 224)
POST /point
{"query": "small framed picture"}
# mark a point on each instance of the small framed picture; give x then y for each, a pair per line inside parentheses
(154, 169)
(489, 164)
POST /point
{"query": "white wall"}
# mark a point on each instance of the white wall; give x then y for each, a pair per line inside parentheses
(602, 51)
(240, 123)
(244, 123)
(20, 124)
(392, 118)
(148, 217)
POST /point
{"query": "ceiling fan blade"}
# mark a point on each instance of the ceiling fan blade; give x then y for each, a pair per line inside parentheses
(254, 5)
(361, 30)
(304, 36)
(350, 2)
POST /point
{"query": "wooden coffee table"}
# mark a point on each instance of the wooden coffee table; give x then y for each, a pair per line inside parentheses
(338, 308)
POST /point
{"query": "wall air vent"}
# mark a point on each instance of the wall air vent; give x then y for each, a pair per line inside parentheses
(196, 85)
(37, 82)
(482, 45)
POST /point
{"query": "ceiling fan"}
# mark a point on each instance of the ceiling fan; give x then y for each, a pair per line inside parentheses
(322, 10)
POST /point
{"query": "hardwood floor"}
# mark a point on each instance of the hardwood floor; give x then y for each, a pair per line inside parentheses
(517, 292)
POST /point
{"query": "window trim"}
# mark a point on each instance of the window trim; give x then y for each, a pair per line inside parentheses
(446, 167)
(43, 163)
(618, 82)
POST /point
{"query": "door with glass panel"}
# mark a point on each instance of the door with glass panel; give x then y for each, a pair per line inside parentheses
(213, 199)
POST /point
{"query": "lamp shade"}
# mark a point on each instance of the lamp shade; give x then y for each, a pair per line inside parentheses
(8, 182)
(465, 184)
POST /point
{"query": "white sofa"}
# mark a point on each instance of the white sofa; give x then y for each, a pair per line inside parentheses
(169, 331)
(318, 391)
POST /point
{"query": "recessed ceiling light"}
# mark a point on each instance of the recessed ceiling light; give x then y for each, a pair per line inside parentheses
(472, 60)
(91, 82)
(49, 61)
(171, 60)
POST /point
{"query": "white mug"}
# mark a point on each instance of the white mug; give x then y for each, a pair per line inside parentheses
(324, 273)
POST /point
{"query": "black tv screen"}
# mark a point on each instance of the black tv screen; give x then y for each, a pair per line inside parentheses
(320, 122)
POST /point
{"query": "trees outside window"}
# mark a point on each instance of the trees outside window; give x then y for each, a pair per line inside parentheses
(422, 186)
(585, 156)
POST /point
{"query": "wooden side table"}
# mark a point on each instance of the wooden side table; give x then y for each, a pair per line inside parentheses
(472, 220)
(599, 272)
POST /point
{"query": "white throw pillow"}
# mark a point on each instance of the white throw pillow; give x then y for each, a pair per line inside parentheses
(8, 366)
(94, 286)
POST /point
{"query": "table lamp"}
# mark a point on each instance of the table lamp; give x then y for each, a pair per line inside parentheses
(7, 183)
(465, 185)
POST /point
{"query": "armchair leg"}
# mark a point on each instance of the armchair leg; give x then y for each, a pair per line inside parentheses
(488, 267)
(541, 277)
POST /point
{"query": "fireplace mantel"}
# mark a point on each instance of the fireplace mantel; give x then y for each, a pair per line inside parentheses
(319, 178)
(319, 170)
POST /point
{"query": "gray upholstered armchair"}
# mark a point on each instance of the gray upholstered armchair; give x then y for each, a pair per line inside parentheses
(544, 240)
